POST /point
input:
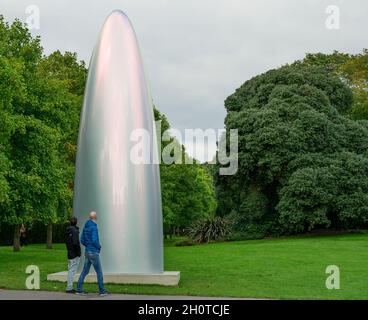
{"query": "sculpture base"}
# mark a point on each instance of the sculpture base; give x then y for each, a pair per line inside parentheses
(167, 278)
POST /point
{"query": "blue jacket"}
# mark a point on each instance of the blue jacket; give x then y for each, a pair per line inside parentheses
(90, 238)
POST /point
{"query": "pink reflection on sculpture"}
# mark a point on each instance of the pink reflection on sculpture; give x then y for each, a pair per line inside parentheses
(126, 196)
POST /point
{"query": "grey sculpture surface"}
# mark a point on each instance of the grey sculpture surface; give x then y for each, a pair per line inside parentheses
(126, 196)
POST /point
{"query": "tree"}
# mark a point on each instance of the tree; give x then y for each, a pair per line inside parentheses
(301, 161)
(328, 192)
(39, 118)
(353, 70)
(62, 79)
(19, 53)
(187, 195)
(187, 189)
(36, 178)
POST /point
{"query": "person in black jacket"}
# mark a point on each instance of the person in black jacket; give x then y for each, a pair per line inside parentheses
(74, 251)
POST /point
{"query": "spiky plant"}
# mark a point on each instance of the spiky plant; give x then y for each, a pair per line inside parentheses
(209, 229)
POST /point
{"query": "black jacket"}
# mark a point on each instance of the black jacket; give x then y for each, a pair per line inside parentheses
(72, 242)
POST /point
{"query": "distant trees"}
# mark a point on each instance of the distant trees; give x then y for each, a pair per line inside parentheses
(187, 195)
(302, 163)
(187, 189)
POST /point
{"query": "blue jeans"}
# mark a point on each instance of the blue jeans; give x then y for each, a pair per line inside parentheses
(72, 269)
(91, 259)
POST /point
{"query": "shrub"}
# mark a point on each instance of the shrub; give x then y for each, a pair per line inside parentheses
(209, 229)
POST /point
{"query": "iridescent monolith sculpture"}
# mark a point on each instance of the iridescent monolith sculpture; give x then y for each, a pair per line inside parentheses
(126, 195)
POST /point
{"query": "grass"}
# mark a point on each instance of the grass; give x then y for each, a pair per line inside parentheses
(285, 268)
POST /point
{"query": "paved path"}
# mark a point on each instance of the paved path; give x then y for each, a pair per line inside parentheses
(51, 295)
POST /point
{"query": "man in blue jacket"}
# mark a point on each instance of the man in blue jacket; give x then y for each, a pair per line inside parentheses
(91, 242)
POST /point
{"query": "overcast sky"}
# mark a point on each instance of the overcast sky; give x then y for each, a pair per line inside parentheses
(197, 52)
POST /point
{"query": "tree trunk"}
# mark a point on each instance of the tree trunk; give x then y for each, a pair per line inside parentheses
(49, 236)
(16, 240)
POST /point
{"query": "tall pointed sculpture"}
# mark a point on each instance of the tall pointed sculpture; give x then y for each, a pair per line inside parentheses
(125, 195)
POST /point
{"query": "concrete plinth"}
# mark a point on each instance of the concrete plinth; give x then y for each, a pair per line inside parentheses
(167, 278)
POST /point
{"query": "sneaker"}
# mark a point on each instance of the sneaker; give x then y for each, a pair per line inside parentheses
(104, 294)
(71, 291)
(81, 293)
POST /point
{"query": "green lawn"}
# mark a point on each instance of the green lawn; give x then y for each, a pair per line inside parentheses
(276, 268)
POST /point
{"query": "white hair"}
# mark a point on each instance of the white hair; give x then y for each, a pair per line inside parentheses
(93, 215)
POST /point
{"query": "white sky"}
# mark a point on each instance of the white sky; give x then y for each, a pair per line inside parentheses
(197, 53)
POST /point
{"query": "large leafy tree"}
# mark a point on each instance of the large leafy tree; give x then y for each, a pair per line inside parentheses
(301, 161)
(38, 116)
(62, 80)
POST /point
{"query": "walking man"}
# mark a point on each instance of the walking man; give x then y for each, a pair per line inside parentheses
(91, 242)
(74, 251)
